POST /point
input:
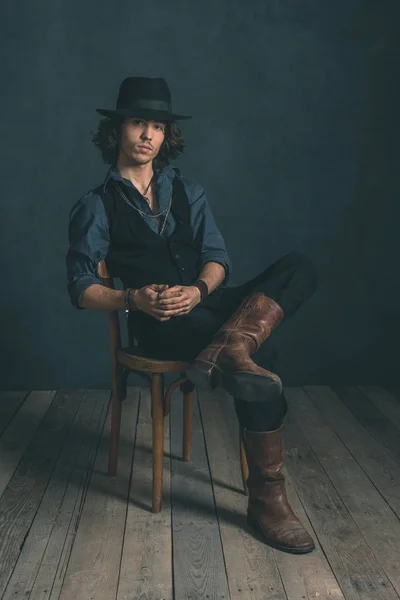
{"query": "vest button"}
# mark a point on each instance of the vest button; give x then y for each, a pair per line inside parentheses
(182, 268)
(176, 255)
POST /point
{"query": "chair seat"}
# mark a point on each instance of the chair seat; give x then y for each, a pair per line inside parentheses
(136, 359)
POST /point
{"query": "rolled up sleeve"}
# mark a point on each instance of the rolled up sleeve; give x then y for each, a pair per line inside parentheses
(88, 244)
(206, 233)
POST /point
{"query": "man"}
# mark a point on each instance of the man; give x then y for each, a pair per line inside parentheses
(158, 235)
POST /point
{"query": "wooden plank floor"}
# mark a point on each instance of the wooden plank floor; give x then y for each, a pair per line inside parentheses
(70, 532)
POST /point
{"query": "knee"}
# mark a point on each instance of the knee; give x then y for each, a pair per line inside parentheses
(304, 265)
(296, 258)
(279, 411)
(283, 405)
(280, 405)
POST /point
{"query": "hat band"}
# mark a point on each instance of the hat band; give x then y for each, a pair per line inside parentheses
(151, 104)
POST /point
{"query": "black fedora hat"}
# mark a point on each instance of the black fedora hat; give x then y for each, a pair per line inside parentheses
(145, 98)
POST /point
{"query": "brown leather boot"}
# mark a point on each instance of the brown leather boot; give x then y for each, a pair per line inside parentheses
(268, 510)
(226, 361)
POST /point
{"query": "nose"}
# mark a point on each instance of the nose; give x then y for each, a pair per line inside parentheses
(146, 133)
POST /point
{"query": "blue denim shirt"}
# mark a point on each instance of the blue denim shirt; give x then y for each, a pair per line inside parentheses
(89, 236)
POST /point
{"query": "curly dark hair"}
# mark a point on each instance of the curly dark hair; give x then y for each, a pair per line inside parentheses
(107, 137)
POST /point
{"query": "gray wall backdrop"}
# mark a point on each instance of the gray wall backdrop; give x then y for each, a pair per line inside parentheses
(294, 137)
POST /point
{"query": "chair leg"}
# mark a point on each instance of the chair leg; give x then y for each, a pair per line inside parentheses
(157, 409)
(124, 383)
(243, 463)
(187, 388)
(116, 405)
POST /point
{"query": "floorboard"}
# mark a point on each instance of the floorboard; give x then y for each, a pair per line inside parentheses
(375, 520)
(92, 570)
(370, 455)
(19, 434)
(351, 559)
(383, 401)
(256, 571)
(146, 565)
(372, 419)
(69, 531)
(22, 497)
(199, 569)
(9, 404)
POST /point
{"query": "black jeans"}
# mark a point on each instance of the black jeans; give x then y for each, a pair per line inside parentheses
(290, 281)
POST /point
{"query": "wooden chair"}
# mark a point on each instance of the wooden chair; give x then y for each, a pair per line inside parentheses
(132, 359)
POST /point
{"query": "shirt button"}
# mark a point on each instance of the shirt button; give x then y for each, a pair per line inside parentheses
(176, 255)
(182, 268)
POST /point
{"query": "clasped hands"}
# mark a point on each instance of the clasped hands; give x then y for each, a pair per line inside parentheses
(163, 302)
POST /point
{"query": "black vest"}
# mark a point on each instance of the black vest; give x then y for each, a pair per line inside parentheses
(139, 256)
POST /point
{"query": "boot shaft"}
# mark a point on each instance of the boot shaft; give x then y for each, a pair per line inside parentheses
(264, 451)
(251, 323)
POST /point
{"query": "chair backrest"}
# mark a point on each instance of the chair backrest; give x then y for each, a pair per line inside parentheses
(102, 272)
(113, 319)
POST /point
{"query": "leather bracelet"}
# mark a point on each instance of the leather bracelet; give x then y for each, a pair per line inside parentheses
(203, 287)
(128, 300)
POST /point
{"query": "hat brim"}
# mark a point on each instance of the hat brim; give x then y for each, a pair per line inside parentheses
(143, 113)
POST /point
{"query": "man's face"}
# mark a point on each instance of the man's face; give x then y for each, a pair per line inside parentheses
(141, 140)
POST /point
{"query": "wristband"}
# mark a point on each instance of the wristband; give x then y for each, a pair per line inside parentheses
(203, 287)
(129, 305)
(127, 298)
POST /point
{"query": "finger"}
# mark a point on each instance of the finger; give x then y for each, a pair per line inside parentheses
(167, 313)
(159, 316)
(167, 303)
(154, 294)
(176, 306)
(158, 287)
(183, 313)
(175, 288)
(169, 294)
(163, 313)
(172, 302)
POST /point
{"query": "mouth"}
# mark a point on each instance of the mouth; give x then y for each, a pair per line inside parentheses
(144, 148)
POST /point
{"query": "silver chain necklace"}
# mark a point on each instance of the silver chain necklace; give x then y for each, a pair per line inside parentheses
(147, 189)
(143, 214)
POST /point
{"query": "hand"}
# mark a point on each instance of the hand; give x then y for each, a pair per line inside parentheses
(178, 305)
(146, 300)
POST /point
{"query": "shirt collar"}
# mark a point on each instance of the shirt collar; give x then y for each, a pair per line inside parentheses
(167, 173)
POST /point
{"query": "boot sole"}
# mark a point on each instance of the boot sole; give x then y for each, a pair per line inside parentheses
(203, 375)
(290, 550)
(246, 386)
(250, 387)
